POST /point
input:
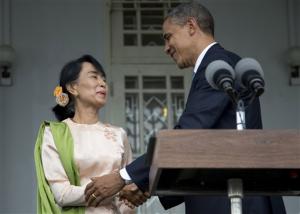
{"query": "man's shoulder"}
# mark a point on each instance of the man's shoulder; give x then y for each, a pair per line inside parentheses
(217, 52)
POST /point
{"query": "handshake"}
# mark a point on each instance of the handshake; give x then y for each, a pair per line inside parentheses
(109, 185)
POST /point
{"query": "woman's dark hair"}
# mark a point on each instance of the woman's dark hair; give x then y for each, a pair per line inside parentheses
(69, 74)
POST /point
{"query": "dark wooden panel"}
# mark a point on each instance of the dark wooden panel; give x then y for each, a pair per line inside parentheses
(204, 159)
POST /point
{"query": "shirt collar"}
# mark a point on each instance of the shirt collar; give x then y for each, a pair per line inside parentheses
(201, 56)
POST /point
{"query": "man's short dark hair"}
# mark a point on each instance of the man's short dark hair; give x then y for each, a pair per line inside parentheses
(183, 12)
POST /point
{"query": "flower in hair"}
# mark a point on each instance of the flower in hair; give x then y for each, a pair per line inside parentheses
(57, 91)
(62, 99)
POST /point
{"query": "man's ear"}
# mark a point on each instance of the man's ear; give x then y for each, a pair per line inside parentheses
(192, 25)
(72, 88)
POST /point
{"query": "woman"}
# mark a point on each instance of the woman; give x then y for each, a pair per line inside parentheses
(69, 153)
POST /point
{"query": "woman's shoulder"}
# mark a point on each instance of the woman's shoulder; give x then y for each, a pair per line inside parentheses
(114, 127)
(109, 125)
(48, 123)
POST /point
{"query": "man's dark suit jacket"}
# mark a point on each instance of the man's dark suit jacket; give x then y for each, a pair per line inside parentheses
(207, 108)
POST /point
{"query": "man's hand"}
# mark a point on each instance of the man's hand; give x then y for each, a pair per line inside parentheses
(103, 187)
(132, 195)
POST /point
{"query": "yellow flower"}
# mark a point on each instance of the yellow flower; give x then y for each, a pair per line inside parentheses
(57, 91)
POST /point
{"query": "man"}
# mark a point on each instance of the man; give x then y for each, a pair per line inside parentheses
(188, 31)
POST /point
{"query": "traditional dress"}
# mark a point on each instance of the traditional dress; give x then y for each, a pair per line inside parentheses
(99, 149)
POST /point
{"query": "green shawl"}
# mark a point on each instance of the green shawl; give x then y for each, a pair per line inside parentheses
(64, 144)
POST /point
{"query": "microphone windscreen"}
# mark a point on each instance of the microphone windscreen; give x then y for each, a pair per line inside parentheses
(215, 66)
(247, 64)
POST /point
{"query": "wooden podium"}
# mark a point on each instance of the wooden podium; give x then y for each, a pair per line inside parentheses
(200, 162)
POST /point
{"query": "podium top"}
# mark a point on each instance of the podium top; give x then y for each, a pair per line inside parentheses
(189, 157)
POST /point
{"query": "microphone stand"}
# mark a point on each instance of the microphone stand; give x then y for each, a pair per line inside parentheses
(240, 115)
(235, 185)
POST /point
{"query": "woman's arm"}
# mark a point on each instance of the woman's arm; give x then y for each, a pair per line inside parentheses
(64, 193)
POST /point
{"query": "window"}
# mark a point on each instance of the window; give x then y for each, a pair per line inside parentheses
(152, 103)
(142, 20)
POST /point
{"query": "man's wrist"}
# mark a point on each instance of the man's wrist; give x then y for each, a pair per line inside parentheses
(125, 177)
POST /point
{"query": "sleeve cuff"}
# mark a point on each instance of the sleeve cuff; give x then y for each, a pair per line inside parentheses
(125, 175)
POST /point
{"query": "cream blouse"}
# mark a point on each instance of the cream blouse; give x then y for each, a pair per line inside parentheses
(98, 150)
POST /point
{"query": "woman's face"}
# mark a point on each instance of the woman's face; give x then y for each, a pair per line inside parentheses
(90, 89)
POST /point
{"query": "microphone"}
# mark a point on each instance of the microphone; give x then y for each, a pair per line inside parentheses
(250, 75)
(220, 75)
